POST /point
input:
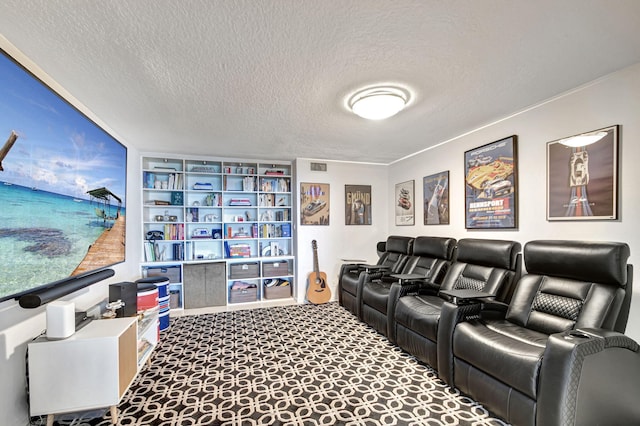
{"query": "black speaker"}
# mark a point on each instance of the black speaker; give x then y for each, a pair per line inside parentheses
(128, 293)
(55, 290)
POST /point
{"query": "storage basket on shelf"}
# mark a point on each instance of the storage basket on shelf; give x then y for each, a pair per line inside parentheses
(244, 270)
(242, 292)
(277, 289)
(275, 269)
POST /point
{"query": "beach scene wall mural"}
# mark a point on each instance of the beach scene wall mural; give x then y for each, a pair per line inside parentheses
(62, 187)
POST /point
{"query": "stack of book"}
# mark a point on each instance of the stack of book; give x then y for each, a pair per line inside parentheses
(237, 250)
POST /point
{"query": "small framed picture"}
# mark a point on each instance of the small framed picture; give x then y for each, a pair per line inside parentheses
(357, 203)
(314, 201)
(436, 199)
(405, 203)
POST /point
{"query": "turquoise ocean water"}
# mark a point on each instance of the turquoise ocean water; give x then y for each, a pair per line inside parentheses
(43, 236)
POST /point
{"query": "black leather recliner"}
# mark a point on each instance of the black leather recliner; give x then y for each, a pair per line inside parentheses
(491, 266)
(397, 251)
(353, 269)
(550, 357)
(429, 261)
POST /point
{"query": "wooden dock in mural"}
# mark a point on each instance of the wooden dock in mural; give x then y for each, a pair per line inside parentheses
(107, 249)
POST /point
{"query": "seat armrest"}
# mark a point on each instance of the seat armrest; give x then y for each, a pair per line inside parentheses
(465, 296)
(351, 267)
(450, 316)
(492, 309)
(429, 287)
(374, 268)
(354, 261)
(589, 376)
(406, 278)
(398, 289)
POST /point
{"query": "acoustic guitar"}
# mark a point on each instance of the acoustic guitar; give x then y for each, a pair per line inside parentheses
(318, 291)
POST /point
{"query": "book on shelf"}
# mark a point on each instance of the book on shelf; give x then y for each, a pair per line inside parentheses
(203, 186)
(274, 185)
(248, 184)
(204, 169)
(266, 200)
(178, 251)
(174, 231)
(237, 250)
(149, 251)
(177, 198)
(154, 252)
(271, 230)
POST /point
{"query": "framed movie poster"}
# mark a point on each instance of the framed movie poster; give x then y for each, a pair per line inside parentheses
(436, 199)
(357, 203)
(491, 185)
(582, 176)
(314, 201)
(405, 204)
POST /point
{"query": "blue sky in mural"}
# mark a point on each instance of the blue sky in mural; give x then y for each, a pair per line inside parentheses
(58, 149)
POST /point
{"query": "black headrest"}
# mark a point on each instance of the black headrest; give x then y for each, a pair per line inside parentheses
(494, 253)
(438, 247)
(398, 244)
(590, 261)
(381, 246)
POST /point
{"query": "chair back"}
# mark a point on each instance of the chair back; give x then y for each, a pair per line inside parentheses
(398, 250)
(381, 248)
(430, 257)
(572, 284)
(491, 266)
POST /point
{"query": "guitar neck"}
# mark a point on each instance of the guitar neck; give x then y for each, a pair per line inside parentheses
(316, 268)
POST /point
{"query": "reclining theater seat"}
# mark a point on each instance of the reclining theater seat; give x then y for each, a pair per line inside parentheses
(491, 266)
(525, 364)
(430, 258)
(397, 251)
(353, 269)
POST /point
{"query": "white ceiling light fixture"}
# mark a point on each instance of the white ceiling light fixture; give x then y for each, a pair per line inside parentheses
(583, 140)
(379, 102)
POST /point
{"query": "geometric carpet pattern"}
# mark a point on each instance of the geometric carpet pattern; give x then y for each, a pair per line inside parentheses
(290, 365)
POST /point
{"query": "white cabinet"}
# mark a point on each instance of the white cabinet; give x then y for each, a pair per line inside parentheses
(91, 369)
(207, 209)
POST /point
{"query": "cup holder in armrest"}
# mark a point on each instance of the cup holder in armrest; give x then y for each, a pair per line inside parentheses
(577, 334)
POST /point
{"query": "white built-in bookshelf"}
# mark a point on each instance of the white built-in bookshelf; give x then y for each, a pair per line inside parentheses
(198, 210)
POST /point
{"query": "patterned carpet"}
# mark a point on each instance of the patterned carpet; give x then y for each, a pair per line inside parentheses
(292, 365)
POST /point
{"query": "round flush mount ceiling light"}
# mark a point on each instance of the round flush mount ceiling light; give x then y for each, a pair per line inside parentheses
(379, 102)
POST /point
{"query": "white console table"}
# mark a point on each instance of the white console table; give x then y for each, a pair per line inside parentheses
(91, 369)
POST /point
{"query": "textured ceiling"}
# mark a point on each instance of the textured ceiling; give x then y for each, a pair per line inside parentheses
(267, 78)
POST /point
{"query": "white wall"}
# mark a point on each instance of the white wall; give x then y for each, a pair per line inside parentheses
(337, 240)
(18, 326)
(612, 100)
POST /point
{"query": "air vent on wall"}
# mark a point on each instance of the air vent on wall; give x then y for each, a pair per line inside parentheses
(318, 167)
